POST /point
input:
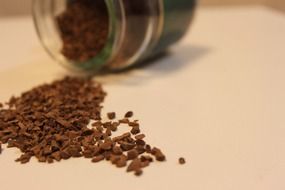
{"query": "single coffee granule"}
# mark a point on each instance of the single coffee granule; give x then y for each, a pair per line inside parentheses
(117, 150)
(135, 165)
(125, 121)
(129, 114)
(111, 115)
(122, 162)
(98, 158)
(140, 137)
(84, 29)
(62, 120)
(134, 124)
(182, 161)
(138, 172)
(135, 130)
(132, 154)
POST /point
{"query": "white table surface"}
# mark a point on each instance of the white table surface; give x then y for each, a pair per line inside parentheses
(218, 100)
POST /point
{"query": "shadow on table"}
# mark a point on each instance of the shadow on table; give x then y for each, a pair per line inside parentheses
(162, 65)
(25, 76)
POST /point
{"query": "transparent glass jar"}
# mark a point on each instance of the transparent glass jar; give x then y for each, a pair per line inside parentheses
(138, 30)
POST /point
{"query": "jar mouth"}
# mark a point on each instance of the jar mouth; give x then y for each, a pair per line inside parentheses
(134, 28)
(44, 15)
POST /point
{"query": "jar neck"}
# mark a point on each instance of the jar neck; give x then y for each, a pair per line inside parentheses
(134, 27)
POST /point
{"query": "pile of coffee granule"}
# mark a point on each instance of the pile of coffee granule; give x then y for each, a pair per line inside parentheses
(84, 28)
(61, 120)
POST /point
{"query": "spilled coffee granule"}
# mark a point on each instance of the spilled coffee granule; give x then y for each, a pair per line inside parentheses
(111, 115)
(129, 114)
(84, 28)
(62, 120)
(182, 161)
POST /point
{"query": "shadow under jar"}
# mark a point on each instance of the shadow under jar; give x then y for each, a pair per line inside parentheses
(91, 35)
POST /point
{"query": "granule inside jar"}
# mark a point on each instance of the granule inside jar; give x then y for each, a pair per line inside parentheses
(84, 28)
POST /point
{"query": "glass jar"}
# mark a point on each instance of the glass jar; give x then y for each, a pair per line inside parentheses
(137, 30)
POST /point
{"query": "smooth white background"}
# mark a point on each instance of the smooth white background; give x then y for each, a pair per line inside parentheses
(217, 99)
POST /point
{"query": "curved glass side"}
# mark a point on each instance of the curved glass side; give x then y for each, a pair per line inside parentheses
(140, 28)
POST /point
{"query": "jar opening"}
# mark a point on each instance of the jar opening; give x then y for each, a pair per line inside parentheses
(80, 34)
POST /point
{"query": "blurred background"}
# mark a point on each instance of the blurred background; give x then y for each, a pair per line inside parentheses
(21, 7)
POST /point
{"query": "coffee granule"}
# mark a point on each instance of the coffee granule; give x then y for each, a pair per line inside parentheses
(134, 124)
(117, 150)
(129, 114)
(182, 161)
(135, 165)
(138, 172)
(132, 154)
(111, 115)
(122, 162)
(62, 120)
(158, 154)
(84, 28)
(135, 130)
(98, 158)
(140, 137)
(145, 158)
(125, 121)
